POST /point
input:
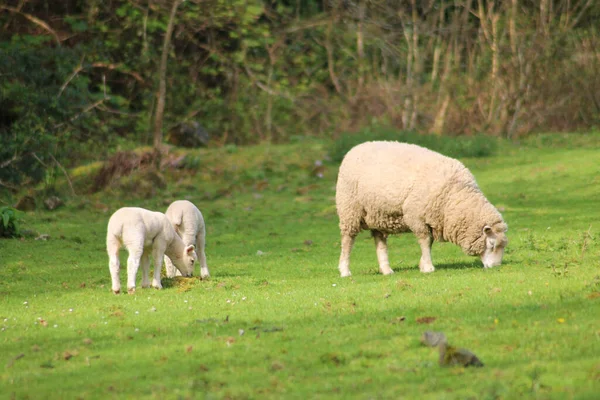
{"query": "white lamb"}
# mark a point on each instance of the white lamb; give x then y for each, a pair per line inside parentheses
(391, 187)
(189, 225)
(143, 232)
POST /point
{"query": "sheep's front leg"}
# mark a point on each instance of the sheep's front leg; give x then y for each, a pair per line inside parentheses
(382, 255)
(425, 264)
(133, 264)
(200, 244)
(145, 264)
(171, 269)
(157, 254)
(344, 266)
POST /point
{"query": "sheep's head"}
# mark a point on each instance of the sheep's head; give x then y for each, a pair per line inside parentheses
(186, 266)
(495, 242)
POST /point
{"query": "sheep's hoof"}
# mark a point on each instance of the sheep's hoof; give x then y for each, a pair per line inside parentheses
(427, 270)
(345, 274)
(389, 272)
(131, 290)
(118, 291)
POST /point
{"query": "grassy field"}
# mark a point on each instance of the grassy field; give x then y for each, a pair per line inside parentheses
(276, 321)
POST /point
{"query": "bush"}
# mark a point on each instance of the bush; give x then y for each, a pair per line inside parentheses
(9, 226)
(461, 146)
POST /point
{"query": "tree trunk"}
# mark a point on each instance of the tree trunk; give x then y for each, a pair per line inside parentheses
(162, 84)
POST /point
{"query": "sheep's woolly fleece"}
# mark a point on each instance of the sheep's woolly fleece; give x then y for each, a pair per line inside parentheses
(396, 187)
(188, 222)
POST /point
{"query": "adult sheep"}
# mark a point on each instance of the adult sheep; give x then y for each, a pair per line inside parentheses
(189, 225)
(143, 232)
(392, 187)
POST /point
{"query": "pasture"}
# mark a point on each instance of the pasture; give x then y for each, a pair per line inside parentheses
(275, 320)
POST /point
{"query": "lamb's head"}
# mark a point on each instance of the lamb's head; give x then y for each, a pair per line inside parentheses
(495, 242)
(185, 264)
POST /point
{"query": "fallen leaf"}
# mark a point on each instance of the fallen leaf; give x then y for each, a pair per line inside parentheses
(189, 349)
(425, 320)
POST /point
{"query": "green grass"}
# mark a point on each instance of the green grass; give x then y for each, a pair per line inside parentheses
(534, 322)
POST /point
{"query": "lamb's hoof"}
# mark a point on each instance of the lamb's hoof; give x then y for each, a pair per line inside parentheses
(427, 270)
(118, 291)
(157, 287)
(131, 290)
(345, 274)
(145, 285)
(204, 277)
(387, 272)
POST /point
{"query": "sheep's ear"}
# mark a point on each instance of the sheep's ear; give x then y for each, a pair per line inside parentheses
(487, 230)
(190, 248)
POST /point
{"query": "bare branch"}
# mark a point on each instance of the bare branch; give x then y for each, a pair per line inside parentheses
(35, 20)
(65, 173)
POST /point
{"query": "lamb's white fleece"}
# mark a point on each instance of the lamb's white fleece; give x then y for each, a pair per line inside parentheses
(143, 232)
(189, 225)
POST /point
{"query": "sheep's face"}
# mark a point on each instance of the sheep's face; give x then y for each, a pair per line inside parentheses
(188, 260)
(495, 242)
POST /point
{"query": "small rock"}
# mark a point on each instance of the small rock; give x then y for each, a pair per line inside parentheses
(43, 236)
(259, 253)
(452, 356)
(53, 202)
(241, 332)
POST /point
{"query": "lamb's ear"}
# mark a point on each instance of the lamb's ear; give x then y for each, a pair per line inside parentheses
(190, 248)
(487, 230)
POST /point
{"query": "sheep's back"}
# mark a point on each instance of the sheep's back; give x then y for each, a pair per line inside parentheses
(392, 176)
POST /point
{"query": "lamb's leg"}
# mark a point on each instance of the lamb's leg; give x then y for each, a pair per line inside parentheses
(200, 243)
(344, 266)
(157, 254)
(425, 264)
(114, 266)
(145, 264)
(133, 264)
(382, 255)
(171, 269)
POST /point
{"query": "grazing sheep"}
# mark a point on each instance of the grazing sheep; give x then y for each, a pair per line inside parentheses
(189, 225)
(391, 187)
(142, 231)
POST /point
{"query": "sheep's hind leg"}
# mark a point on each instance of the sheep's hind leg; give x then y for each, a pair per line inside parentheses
(425, 264)
(114, 266)
(344, 266)
(133, 264)
(145, 264)
(381, 249)
(200, 244)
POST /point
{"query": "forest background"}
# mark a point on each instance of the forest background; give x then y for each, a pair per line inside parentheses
(79, 79)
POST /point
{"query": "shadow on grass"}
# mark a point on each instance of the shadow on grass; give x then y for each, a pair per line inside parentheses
(474, 264)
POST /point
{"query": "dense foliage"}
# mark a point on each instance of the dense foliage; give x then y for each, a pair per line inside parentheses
(77, 77)
(461, 146)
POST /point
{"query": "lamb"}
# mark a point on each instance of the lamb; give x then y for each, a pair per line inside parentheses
(141, 232)
(392, 187)
(189, 225)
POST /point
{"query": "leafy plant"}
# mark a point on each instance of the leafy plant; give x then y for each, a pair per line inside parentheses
(9, 226)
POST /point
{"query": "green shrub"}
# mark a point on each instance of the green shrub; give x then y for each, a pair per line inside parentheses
(460, 146)
(9, 226)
